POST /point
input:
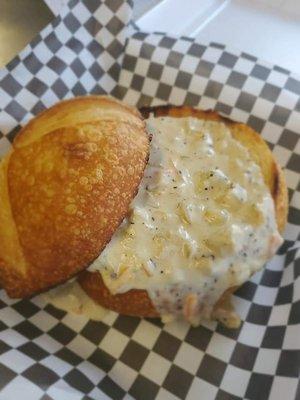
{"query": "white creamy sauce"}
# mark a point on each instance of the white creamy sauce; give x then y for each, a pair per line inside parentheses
(203, 221)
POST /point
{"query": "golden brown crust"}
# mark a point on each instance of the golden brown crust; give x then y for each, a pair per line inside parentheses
(65, 188)
(129, 303)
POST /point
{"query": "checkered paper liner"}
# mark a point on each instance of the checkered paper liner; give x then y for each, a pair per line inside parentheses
(261, 360)
(48, 354)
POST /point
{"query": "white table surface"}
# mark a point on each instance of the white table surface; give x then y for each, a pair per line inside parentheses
(268, 29)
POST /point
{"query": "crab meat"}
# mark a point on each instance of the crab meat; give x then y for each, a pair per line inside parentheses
(274, 243)
(191, 307)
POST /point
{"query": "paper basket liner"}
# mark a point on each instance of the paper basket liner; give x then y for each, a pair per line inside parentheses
(46, 353)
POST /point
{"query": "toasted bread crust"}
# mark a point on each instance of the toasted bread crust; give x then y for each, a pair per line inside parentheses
(64, 189)
(137, 302)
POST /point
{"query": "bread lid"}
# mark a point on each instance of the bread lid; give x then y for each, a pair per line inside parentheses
(65, 187)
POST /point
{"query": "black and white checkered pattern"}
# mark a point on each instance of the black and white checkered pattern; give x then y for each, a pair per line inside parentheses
(79, 53)
(261, 360)
(48, 354)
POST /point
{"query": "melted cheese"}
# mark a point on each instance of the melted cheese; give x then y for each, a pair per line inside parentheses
(203, 221)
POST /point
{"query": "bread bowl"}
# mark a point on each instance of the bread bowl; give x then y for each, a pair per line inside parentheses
(71, 179)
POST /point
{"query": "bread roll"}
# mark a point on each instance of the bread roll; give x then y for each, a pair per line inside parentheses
(137, 302)
(64, 189)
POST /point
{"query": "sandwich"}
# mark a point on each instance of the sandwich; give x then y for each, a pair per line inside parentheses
(159, 213)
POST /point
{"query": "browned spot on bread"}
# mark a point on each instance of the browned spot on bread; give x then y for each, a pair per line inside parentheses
(259, 151)
(80, 150)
